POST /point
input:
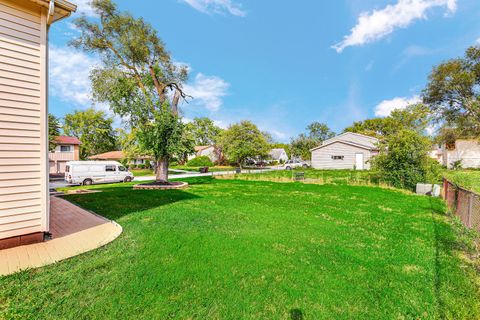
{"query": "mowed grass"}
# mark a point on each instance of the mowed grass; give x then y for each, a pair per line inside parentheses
(468, 179)
(232, 249)
(363, 177)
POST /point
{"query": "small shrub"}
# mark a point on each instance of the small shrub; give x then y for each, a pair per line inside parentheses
(202, 161)
(141, 166)
(148, 165)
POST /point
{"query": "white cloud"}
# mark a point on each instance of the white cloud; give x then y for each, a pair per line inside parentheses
(69, 72)
(384, 108)
(278, 134)
(84, 7)
(477, 41)
(376, 24)
(207, 91)
(217, 6)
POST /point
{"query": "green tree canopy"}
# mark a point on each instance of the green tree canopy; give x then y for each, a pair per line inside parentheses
(53, 130)
(403, 160)
(243, 140)
(453, 93)
(138, 78)
(415, 117)
(319, 131)
(203, 131)
(94, 129)
(316, 133)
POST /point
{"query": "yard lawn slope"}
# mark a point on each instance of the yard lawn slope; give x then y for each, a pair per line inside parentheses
(257, 250)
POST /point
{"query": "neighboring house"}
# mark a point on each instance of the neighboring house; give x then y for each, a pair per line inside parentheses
(346, 151)
(436, 153)
(119, 156)
(66, 149)
(465, 150)
(209, 151)
(278, 154)
(24, 194)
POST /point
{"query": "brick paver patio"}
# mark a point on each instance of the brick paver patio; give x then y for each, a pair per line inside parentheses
(74, 231)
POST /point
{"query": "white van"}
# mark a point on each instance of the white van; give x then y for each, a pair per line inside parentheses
(89, 172)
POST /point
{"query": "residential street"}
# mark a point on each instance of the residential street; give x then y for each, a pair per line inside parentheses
(57, 183)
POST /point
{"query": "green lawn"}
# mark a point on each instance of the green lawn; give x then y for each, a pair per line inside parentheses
(233, 249)
(315, 176)
(142, 172)
(469, 179)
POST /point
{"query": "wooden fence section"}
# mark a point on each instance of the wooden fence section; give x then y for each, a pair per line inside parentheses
(464, 203)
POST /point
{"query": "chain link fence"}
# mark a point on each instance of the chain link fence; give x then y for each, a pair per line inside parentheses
(464, 203)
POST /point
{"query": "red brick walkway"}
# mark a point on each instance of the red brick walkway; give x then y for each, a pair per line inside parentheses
(66, 218)
(74, 231)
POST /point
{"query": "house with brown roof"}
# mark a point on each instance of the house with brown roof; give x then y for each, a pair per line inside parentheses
(118, 156)
(66, 149)
(211, 151)
(24, 185)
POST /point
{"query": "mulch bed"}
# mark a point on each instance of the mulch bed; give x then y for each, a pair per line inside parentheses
(161, 185)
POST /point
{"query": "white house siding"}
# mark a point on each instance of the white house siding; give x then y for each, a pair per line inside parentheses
(210, 153)
(23, 139)
(322, 157)
(466, 150)
(355, 138)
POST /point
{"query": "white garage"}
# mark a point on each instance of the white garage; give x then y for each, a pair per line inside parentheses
(346, 151)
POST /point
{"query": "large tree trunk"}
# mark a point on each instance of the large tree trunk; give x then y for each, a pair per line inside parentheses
(162, 171)
(175, 100)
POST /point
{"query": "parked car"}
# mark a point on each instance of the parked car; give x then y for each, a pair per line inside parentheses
(90, 172)
(292, 164)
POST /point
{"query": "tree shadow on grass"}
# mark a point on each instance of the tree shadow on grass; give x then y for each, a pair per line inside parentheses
(116, 201)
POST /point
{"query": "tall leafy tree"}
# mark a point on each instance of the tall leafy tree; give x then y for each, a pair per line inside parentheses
(187, 146)
(319, 131)
(414, 117)
(316, 133)
(301, 145)
(53, 130)
(94, 129)
(128, 142)
(204, 131)
(138, 79)
(453, 93)
(242, 141)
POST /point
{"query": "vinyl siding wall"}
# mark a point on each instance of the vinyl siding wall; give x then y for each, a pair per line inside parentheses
(468, 151)
(23, 141)
(322, 158)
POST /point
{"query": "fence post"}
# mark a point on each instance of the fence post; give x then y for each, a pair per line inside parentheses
(470, 209)
(445, 189)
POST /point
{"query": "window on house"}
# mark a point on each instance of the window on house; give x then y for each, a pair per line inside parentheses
(65, 148)
(109, 168)
(338, 157)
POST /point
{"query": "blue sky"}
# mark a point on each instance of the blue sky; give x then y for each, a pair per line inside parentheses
(285, 64)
